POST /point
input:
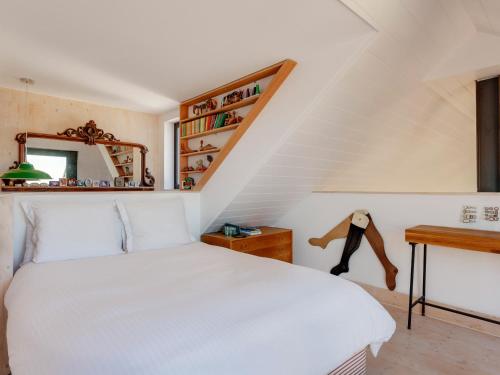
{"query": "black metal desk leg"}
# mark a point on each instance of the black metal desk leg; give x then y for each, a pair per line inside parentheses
(423, 279)
(411, 284)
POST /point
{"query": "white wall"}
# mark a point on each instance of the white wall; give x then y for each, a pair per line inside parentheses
(460, 278)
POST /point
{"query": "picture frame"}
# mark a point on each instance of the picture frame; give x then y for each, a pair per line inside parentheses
(54, 183)
(63, 181)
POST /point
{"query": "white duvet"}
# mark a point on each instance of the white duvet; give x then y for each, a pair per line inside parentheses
(195, 309)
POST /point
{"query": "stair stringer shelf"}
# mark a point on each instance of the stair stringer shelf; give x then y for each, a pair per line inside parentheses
(279, 73)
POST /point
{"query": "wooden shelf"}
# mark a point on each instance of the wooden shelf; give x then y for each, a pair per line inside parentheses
(189, 172)
(122, 164)
(200, 152)
(71, 188)
(242, 103)
(122, 153)
(276, 75)
(213, 131)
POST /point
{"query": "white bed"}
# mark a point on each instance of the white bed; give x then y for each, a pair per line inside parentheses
(193, 309)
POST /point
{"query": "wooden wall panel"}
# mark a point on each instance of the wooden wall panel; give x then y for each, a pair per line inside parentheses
(47, 114)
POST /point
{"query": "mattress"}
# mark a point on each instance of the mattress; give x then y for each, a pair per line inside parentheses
(194, 309)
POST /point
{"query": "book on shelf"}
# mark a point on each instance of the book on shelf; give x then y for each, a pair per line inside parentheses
(203, 124)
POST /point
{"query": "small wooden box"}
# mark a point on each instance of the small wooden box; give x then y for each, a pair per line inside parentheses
(275, 243)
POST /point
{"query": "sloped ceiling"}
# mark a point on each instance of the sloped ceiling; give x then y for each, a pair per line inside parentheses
(382, 125)
(148, 55)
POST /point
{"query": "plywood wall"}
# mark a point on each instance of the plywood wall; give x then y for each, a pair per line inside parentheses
(48, 114)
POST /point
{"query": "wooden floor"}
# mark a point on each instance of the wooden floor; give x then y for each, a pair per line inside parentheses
(435, 347)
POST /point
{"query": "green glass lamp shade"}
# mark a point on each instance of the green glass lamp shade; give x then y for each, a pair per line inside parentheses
(25, 171)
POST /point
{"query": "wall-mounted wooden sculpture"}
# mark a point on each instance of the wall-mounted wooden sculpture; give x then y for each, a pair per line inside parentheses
(353, 228)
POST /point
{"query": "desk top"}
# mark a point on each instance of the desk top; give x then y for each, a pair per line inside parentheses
(460, 238)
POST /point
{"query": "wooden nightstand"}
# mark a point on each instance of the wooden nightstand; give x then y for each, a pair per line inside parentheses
(273, 243)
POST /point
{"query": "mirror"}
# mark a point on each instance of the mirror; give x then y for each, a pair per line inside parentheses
(77, 160)
(87, 153)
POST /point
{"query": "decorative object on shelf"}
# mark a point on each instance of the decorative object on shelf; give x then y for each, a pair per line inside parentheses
(206, 147)
(469, 214)
(491, 213)
(199, 165)
(88, 182)
(256, 89)
(188, 183)
(232, 118)
(208, 105)
(127, 170)
(54, 183)
(128, 160)
(185, 149)
(210, 159)
(63, 181)
(80, 183)
(232, 98)
(22, 172)
(248, 93)
(187, 169)
(34, 184)
(119, 182)
(90, 133)
(96, 183)
(71, 181)
(354, 227)
(104, 184)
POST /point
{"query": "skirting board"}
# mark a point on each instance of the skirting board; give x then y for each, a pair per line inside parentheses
(400, 301)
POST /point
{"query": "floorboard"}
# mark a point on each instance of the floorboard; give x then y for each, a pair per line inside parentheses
(435, 347)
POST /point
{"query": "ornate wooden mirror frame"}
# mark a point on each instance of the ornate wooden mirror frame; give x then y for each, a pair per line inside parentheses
(89, 134)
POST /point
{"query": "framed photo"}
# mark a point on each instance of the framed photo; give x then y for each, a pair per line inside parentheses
(53, 183)
(63, 182)
(119, 182)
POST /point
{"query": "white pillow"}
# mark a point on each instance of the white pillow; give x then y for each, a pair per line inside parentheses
(63, 231)
(154, 224)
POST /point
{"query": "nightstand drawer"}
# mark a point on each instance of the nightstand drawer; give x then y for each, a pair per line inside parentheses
(273, 243)
(262, 242)
(280, 252)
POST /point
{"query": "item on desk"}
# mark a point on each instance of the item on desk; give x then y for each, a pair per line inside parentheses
(53, 183)
(491, 213)
(469, 214)
(250, 231)
(231, 230)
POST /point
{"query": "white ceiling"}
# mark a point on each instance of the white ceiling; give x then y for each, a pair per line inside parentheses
(148, 55)
(485, 14)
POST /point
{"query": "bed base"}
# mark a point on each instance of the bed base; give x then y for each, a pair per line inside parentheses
(356, 365)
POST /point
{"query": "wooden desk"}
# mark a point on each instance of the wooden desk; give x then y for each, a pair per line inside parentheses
(458, 238)
(273, 243)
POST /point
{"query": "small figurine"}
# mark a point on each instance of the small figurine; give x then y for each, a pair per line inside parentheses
(188, 183)
(210, 159)
(207, 147)
(232, 118)
(199, 165)
(185, 149)
(208, 105)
